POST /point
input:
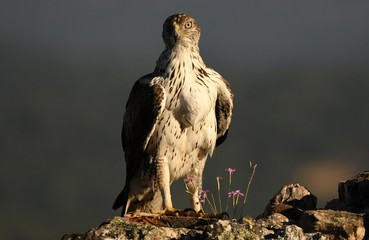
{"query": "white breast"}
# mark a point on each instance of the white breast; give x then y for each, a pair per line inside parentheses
(196, 98)
(195, 103)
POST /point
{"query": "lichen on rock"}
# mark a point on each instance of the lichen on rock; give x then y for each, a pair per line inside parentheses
(290, 214)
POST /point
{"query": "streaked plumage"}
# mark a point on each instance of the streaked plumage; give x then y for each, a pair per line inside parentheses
(174, 118)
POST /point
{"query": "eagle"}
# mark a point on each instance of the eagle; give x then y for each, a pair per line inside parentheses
(174, 118)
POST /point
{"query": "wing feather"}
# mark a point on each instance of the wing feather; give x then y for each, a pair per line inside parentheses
(145, 104)
(223, 110)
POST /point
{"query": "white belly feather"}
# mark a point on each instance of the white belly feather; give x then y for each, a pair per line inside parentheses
(195, 104)
(186, 134)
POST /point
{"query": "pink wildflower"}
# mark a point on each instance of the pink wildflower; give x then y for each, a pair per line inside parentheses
(189, 180)
(230, 170)
(238, 193)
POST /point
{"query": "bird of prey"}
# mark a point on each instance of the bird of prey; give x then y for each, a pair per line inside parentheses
(175, 117)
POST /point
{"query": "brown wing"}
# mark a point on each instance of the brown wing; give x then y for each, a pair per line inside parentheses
(145, 104)
(223, 110)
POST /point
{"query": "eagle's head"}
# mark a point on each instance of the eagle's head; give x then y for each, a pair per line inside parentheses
(181, 29)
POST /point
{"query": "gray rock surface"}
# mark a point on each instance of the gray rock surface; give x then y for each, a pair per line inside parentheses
(355, 192)
(290, 201)
(274, 221)
(292, 232)
(121, 228)
(335, 224)
(353, 195)
(290, 214)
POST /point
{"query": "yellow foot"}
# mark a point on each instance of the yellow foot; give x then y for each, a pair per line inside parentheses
(168, 211)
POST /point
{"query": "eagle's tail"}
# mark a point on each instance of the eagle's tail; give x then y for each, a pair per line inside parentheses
(122, 200)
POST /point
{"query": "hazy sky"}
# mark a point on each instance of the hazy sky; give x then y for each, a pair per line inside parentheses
(242, 32)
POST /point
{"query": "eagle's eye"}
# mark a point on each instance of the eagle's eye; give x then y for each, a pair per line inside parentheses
(188, 25)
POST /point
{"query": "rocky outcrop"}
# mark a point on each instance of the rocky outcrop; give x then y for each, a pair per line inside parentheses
(291, 200)
(334, 224)
(353, 195)
(152, 228)
(290, 214)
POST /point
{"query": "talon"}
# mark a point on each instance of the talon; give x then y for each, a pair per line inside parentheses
(189, 210)
(168, 211)
(224, 214)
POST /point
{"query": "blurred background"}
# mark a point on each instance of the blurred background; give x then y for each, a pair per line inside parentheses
(299, 71)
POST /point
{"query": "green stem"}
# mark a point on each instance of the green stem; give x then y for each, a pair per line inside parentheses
(215, 206)
(210, 205)
(220, 202)
(248, 186)
(229, 188)
(234, 208)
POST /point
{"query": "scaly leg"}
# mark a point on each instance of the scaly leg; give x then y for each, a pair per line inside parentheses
(164, 180)
(195, 186)
(163, 177)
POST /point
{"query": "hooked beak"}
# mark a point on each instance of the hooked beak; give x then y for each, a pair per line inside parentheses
(177, 31)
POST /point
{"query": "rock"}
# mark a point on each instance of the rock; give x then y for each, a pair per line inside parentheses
(355, 192)
(149, 228)
(290, 232)
(290, 200)
(366, 225)
(335, 224)
(274, 221)
(316, 236)
(120, 228)
(353, 195)
(337, 204)
(290, 214)
(225, 229)
(267, 233)
(277, 227)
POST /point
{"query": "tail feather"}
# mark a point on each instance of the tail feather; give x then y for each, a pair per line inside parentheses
(121, 200)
